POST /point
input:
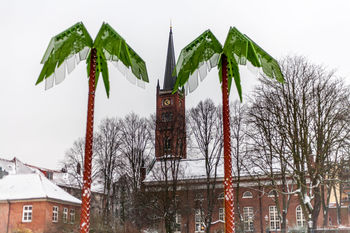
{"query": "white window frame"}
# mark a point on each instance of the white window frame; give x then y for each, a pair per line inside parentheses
(27, 214)
(55, 210)
(300, 218)
(247, 194)
(272, 193)
(177, 223)
(198, 221)
(248, 218)
(275, 223)
(72, 216)
(65, 215)
(222, 214)
(221, 196)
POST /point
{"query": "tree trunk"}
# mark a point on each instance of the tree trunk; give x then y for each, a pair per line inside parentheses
(229, 209)
(86, 192)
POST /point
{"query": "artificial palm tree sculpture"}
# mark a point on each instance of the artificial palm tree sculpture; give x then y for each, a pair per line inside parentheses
(75, 44)
(206, 52)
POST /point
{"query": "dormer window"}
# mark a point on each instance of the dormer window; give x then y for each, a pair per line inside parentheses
(49, 175)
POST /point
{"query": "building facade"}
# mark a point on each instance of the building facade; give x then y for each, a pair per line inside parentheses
(178, 185)
(31, 202)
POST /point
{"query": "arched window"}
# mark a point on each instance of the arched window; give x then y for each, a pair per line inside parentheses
(247, 194)
(300, 217)
(272, 193)
(221, 196)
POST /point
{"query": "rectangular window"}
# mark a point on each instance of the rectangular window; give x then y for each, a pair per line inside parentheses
(55, 214)
(274, 218)
(27, 213)
(221, 214)
(301, 222)
(248, 217)
(177, 223)
(72, 215)
(65, 215)
(198, 218)
(167, 145)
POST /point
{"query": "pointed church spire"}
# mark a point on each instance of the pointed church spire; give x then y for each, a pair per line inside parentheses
(169, 79)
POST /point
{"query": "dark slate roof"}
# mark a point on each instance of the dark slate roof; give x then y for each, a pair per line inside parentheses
(169, 80)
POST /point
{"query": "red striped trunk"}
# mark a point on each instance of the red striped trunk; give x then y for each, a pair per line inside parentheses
(86, 192)
(228, 186)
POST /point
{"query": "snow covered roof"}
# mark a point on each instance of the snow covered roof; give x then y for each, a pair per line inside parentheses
(32, 186)
(69, 180)
(195, 169)
(188, 169)
(15, 166)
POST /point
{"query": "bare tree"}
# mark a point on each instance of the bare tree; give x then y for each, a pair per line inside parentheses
(135, 139)
(73, 163)
(239, 144)
(135, 149)
(107, 149)
(311, 116)
(269, 152)
(163, 203)
(206, 128)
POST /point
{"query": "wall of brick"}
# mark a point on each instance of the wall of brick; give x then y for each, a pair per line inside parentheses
(41, 216)
(261, 218)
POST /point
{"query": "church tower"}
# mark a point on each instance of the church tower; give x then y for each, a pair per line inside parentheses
(170, 141)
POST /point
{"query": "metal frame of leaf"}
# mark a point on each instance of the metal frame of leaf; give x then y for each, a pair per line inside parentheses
(74, 44)
(205, 52)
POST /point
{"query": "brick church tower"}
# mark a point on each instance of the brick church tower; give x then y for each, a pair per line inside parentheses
(170, 141)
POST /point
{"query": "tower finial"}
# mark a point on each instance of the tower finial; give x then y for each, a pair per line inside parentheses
(171, 25)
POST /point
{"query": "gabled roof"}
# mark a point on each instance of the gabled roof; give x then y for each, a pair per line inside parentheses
(32, 186)
(169, 79)
(15, 166)
(66, 179)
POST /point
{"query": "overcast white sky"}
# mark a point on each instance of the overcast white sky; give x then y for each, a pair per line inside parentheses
(38, 126)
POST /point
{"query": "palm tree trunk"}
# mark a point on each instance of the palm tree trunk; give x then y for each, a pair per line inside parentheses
(229, 209)
(86, 192)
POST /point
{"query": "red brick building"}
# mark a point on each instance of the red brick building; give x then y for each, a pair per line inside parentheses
(31, 201)
(257, 200)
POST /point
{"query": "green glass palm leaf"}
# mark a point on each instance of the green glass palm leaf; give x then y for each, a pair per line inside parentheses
(238, 49)
(111, 46)
(269, 65)
(60, 57)
(61, 54)
(201, 54)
